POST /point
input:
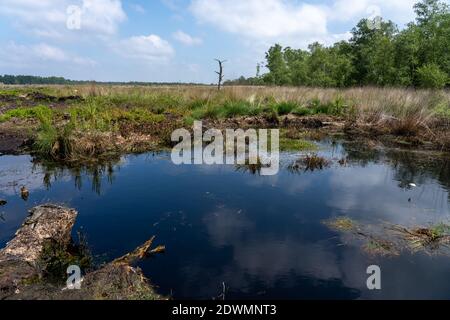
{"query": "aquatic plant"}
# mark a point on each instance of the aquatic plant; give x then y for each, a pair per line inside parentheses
(341, 224)
(429, 239)
(57, 257)
(251, 168)
(388, 239)
(309, 162)
(380, 247)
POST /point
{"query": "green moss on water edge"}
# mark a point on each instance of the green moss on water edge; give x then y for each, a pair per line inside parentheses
(287, 144)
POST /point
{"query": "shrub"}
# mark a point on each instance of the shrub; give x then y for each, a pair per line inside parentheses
(317, 107)
(302, 111)
(338, 107)
(432, 77)
(284, 108)
(208, 111)
(47, 135)
(443, 110)
(232, 109)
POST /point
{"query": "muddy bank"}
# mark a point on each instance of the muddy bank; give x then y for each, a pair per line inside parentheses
(16, 137)
(10, 101)
(22, 267)
(390, 133)
(19, 135)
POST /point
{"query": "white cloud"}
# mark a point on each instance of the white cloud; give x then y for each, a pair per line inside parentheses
(47, 52)
(400, 11)
(262, 18)
(102, 15)
(149, 48)
(186, 39)
(99, 24)
(48, 18)
(20, 55)
(290, 22)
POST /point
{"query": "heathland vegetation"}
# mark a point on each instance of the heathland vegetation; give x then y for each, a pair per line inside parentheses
(382, 87)
(382, 84)
(377, 54)
(74, 123)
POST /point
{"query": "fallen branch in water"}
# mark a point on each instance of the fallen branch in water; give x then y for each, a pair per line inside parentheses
(21, 276)
(140, 253)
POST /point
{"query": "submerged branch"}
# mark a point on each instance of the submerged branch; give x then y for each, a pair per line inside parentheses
(140, 253)
(22, 275)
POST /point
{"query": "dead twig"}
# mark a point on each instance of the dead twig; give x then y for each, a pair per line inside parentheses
(140, 253)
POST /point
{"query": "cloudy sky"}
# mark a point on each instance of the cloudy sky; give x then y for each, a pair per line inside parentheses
(169, 40)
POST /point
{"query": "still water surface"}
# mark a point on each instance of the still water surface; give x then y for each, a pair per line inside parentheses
(262, 236)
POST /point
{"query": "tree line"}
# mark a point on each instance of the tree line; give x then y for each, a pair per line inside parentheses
(377, 54)
(21, 79)
(33, 80)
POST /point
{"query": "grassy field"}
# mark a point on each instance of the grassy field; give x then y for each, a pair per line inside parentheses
(73, 123)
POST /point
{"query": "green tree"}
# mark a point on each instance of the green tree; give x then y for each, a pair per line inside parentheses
(431, 76)
(297, 63)
(373, 52)
(279, 72)
(433, 24)
(407, 48)
(427, 10)
(343, 60)
(377, 54)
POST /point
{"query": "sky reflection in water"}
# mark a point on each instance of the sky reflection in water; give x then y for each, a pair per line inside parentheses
(262, 236)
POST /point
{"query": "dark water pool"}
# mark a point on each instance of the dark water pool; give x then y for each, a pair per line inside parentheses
(263, 237)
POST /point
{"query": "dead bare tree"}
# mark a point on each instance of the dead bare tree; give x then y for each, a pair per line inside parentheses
(220, 72)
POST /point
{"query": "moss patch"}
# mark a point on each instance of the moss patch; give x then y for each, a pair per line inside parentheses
(287, 144)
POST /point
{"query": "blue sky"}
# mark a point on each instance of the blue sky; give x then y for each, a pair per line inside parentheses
(169, 40)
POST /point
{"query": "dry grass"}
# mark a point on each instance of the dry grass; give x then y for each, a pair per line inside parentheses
(377, 106)
(343, 224)
(380, 247)
(369, 101)
(414, 116)
(429, 239)
(391, 240)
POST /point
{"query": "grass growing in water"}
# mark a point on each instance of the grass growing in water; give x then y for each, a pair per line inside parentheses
(387, 239)
(310, 162)
(380, 247)
(428, 239)
(56, 258)
(254, 168)
(291, 140)
(341, 224)
(52, 140)
(89, 130)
